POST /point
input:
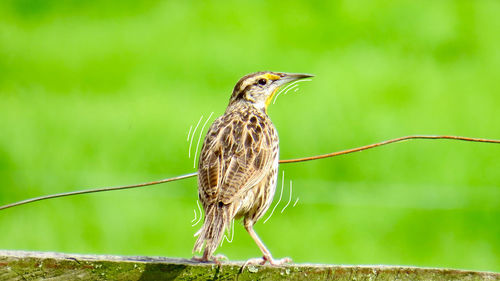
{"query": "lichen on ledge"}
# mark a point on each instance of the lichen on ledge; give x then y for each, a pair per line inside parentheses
(22, 265)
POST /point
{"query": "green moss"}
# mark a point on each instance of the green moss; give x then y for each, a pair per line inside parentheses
(35, 266)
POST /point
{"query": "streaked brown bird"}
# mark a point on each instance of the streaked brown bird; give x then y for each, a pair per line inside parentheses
(238, 165)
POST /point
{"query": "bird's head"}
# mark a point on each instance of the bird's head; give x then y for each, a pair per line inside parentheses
(260, 87)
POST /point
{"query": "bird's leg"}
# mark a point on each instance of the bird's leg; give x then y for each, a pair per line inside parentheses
(267, 257)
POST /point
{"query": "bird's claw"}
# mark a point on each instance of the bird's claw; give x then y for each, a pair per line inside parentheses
(279, 261)
(264, 259)
(215, 259)
(218, 259)
(199, 259)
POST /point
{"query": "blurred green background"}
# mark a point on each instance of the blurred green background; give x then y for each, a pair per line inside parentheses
(100, 93)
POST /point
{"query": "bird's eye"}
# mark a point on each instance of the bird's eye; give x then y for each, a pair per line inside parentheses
(262, 82)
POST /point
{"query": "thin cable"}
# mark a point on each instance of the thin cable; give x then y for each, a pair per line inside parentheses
(347, 151)
(95, 190)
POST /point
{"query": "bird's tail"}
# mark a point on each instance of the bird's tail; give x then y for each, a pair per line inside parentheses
(217, 220)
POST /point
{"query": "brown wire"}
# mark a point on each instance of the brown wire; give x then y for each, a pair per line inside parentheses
(347, 151)
(94, 190)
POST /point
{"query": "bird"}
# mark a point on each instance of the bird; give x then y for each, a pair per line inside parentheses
(238, 164)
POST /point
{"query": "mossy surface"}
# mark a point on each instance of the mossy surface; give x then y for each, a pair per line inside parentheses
(19, 265)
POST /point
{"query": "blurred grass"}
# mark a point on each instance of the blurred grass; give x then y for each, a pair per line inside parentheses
(100, 93)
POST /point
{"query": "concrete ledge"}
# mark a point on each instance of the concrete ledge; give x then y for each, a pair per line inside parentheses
(21, 265)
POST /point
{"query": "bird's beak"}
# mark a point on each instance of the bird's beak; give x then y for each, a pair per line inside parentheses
(283, 79)
(290, 77)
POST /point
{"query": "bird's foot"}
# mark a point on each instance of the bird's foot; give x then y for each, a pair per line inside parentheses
(200, 259)
(216, 259)
(280, 261)
(264, 259)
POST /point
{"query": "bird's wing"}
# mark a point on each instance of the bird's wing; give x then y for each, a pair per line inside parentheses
(210, 165)
(235, 156)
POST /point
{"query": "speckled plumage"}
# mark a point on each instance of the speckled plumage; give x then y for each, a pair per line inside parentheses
(238, 164)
